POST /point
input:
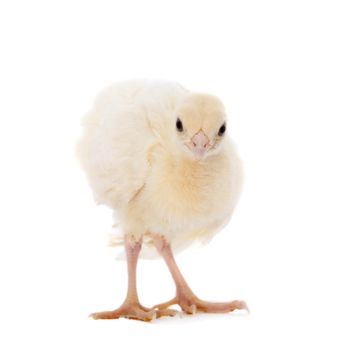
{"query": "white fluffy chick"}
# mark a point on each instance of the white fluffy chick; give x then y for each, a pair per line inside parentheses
(159, 156)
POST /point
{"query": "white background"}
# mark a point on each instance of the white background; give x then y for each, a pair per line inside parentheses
(281, 68)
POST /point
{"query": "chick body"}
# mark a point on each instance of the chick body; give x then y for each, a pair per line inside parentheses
(134, 165)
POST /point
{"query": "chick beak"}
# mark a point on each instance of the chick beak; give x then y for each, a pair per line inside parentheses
(199, 144)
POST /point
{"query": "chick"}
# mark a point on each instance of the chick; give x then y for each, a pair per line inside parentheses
(159, 156)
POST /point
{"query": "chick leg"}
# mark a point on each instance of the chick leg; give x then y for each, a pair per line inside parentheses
(131, 308)
(185, 297)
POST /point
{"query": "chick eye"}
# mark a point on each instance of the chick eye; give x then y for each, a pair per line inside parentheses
(222, 129)
(179, 125)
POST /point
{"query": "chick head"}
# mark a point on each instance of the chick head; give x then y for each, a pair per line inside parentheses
(200, 126)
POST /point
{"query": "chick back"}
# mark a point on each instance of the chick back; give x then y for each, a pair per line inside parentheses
(117, 136)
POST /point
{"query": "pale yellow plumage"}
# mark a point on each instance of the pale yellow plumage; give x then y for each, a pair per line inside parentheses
(137, 164)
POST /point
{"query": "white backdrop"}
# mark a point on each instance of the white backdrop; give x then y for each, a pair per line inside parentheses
(281, 68)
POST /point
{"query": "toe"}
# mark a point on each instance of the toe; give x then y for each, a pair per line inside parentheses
(105, 315)
(138, 313)
(189, 308)
(166, 312)
(240, 305)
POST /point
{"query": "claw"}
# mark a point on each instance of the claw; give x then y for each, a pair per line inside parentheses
(193, 309)
(154, 315)
(244, 306)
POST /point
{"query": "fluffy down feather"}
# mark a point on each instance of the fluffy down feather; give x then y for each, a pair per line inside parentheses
(136, 162)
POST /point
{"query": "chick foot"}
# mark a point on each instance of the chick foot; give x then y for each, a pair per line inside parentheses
(185, 298)
(190, 304)
(133, 311)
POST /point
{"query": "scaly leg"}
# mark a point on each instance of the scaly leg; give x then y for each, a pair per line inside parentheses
(131, 308)
(185, 298)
